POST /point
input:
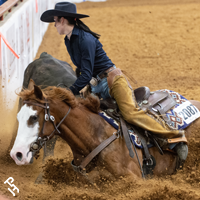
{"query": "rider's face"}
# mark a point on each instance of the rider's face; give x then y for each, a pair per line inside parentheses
(58, 24)
(62, 25)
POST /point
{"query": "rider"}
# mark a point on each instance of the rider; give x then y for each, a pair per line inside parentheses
(88, 56)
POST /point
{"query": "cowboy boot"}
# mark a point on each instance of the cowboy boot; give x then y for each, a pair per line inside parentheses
(182, 151)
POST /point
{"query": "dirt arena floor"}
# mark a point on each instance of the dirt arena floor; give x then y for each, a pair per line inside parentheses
(156, 43)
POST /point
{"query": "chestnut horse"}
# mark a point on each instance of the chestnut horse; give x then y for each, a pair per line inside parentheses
(83, 129)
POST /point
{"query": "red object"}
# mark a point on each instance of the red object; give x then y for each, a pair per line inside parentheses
(36, 6)
(6, 42)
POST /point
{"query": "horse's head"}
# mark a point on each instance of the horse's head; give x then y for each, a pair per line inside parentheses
(33, 117)
(42, 113)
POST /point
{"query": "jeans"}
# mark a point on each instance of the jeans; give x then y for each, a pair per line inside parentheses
(102, 88)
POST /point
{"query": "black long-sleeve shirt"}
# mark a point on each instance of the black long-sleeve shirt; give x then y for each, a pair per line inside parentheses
(88, 55)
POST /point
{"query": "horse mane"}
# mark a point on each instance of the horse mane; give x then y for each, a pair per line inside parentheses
(91, 102)
(56, 93)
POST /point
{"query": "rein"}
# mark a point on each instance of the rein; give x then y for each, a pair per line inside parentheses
(40, 142)
(81, 168)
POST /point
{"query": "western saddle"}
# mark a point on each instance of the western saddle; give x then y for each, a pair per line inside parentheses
(158, 102)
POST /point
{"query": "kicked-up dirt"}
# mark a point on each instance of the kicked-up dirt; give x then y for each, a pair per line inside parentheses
(157, 44)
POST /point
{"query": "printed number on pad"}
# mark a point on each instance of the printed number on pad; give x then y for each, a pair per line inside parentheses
(187, 112)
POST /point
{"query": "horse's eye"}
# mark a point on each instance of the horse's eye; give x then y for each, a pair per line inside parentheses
(33, 118)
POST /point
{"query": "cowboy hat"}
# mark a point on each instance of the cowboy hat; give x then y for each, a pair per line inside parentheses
(62, 9)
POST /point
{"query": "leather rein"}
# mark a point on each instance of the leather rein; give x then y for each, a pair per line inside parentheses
(41, 141)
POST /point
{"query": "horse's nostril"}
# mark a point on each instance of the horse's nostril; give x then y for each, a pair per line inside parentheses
(19, 156)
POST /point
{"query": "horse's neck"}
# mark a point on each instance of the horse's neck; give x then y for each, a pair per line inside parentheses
(84, 131)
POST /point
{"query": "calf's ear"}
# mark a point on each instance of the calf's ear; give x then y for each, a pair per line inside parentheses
(38, 92)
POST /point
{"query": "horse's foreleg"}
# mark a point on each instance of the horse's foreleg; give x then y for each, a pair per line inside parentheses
(49, 150)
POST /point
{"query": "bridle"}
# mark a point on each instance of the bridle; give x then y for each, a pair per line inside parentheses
(41, 140)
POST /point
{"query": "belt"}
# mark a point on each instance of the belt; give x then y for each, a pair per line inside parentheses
(104, 73)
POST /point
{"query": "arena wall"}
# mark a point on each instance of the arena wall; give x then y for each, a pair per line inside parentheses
(21, 34)
(23, 31)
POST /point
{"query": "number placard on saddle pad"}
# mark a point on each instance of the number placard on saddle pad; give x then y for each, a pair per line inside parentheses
(187, 112)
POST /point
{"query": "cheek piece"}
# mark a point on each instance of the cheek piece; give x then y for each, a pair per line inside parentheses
(41, 140)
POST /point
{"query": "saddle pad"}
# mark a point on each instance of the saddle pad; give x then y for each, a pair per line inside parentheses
(133, 135)
(183, 113)
(109, 119)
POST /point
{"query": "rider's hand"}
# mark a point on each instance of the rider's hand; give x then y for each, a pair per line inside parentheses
(85, 91)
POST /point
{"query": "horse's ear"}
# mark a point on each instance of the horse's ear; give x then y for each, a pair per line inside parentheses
(38, 92)
(31, 84)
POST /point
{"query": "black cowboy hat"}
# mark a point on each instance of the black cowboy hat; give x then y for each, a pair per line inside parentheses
(62, 9)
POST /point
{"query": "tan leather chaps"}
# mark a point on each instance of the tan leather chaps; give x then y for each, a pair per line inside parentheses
(122, 92)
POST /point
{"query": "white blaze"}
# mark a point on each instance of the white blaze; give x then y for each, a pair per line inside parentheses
(25, 136)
